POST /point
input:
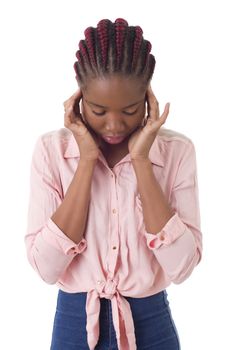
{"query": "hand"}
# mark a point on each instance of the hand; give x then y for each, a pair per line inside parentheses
(73, 120)
(142, 139)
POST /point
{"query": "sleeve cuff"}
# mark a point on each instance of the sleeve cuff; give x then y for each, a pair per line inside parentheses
(53, 235)
(173, 229)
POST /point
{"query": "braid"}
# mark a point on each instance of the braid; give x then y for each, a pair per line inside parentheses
(137, 44)
(129, 42)
(102, 33)
(89, 34)
(120, 28)
(114, 47)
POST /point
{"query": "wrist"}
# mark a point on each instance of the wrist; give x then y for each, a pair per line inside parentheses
(87, 161)
(140, 159)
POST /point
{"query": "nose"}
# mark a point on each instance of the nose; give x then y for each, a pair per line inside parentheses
(114, 124)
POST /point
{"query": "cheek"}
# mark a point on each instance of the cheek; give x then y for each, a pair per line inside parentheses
(91, 121)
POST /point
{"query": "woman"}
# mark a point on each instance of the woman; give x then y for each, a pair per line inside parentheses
(113, 213)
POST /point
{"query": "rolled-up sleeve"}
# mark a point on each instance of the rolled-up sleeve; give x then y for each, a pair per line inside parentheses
(178, 246)
(49, 250)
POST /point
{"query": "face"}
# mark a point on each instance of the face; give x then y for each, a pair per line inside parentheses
(113, 106)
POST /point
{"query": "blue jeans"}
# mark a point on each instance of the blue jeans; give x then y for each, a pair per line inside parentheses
(153, 323)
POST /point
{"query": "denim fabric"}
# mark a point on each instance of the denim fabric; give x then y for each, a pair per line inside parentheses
(153, 322)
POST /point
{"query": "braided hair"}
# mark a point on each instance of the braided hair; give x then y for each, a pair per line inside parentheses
(114, 48)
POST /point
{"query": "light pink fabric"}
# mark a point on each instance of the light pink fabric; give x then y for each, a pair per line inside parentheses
(116, 256)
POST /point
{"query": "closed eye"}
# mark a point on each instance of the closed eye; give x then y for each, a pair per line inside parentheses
(127, 113)
(102, 113)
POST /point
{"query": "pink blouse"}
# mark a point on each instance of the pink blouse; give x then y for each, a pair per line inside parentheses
(117, 257)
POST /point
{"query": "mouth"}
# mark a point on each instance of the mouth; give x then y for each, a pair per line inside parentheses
(114, 139)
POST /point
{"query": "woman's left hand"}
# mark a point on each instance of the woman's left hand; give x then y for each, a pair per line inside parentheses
(142, 139)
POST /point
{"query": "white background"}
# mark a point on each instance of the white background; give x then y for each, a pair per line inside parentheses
(192, 44)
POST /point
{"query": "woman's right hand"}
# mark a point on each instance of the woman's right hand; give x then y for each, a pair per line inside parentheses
(85, 138)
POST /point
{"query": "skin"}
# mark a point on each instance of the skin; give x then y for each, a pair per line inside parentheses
(114, 93)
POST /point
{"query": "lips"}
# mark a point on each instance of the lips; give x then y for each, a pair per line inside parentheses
(113, 139)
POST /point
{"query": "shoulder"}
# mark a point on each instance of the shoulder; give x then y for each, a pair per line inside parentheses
(54, 141)
(56, 136)
(174, 141)
(171, 146)
(169, 135)
(49, 151)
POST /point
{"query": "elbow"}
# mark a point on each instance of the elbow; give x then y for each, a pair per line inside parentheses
(47, 279)
(47, 270)
(48, 276)
(187, 270)
(47, 261)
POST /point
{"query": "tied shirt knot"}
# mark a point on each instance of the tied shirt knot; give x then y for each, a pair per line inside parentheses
(121, 313)
(107, 289)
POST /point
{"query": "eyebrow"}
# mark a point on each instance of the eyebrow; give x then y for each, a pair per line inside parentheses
(95, 104)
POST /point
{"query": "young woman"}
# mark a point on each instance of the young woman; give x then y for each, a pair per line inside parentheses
(113, 214)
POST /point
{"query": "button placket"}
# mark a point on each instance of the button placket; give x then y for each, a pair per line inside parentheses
(114, 234)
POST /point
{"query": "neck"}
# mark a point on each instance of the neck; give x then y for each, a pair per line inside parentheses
(115, 149)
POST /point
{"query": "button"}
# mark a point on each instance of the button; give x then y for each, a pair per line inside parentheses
(112, 175)
(162, 238)
(114, 211)
(152, 244)
(114, 247)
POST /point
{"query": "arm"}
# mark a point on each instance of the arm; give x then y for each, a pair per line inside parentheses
(173, 230)
(55, 226)
(156, 209)
(71, 215)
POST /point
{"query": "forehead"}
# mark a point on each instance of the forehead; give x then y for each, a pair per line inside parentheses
(114, 91)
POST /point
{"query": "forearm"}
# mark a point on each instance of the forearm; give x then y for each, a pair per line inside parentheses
(156, 209)
(71, 215)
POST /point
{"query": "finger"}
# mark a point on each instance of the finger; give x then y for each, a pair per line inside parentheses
(164, 116)
(73, 106)
(72, 124)
(69, 113)
(67, 120)
(151, 93)
(152, 100)
(76, 95)
(153, 107)
(70, 102)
